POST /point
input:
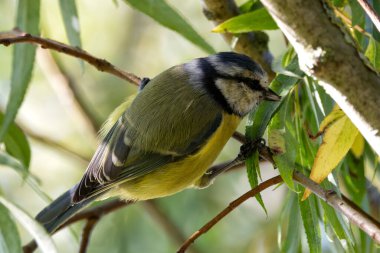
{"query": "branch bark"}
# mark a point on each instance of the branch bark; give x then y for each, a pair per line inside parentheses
(343, 205)
(16, 36)
(325, 52)
(253, 44)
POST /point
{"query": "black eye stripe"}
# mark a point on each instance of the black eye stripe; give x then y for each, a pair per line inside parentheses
(254, 84)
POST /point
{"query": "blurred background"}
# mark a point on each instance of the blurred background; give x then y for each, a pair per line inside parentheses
(135, 43)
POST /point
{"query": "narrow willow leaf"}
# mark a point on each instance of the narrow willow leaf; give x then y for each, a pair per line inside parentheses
(9, 238)
(373, 53)
(28, 16)
(258, 119)
(253, 176)
(252, 21)
(10, 161)
(283, 143)
(71, 20)
(337, 141)
(164, 14)
(16, 143)
(310, 221)
(42, 238)
(293, 236)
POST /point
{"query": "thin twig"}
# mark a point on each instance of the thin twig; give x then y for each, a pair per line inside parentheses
(371, 13)
(86, 233)
(97, 211)
(348, 21)
(251, 193)
(16, 36)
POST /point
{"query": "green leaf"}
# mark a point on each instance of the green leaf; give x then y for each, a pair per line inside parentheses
(16, 143)
(42, 238)
(9, 238)
(373, 53)
(253, 172)
(258, 119)
(10, 161)
(293, 235)
(252, 21)
(28, 16)
(71, 20)
(164, 14)
(309, 216)
(282, 142)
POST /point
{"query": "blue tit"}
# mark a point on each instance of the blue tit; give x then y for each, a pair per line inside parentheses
(164, 139)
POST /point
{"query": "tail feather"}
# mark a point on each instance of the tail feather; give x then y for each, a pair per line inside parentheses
(60, 210)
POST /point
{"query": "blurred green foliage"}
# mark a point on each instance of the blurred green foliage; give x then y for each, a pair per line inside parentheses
(138, 40)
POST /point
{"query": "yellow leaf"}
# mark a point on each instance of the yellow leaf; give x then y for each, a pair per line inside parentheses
(338, 138)
(357, 148)
(333, 116)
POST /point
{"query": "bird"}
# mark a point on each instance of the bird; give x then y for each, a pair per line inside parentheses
(163, 139)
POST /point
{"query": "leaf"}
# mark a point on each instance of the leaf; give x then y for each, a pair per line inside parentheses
(164, 14)
(71, 20)
(357, 148)
(373, 53)
(28, 16)
(293, 235)
(282, 142)
(310, 221)
(9, 161)
(339, 135)
(16, 143)
(252, 21)
(253, 174)
(9, 238)
(42, 238)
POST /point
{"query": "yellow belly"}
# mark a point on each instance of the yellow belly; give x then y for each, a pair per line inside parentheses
(176, 176)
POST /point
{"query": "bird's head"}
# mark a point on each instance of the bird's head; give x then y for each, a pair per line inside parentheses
(235, 81)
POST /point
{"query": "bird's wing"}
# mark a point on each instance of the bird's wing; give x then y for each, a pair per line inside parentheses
(123, 155)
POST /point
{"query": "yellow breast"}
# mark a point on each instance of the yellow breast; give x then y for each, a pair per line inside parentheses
(182, 174)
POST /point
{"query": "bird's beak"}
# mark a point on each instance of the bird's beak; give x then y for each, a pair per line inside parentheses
(270, 95)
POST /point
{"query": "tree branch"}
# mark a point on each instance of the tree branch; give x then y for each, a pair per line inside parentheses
(343, 205)
(86, 233)
(253, 44)
(251, 193)
(16, 36)
(325, 53)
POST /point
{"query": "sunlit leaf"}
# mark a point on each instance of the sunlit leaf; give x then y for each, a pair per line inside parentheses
(28, 16)
(357, 148)
(252, 21)
(71, 20)
(42, 238)
(9, 238)
(16, 143)
(339, 135)
(373, 53)
(164, 14)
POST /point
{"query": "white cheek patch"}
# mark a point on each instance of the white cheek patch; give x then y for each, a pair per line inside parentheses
(240, 97)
